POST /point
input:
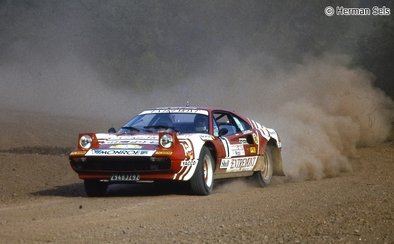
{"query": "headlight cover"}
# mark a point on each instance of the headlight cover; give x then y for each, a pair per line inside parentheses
(166, 141)
(85, 141)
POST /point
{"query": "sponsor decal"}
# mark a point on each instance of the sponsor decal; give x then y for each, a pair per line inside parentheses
(136, 139)
(146, 142)
(238, 164)
(163, 152)
(255, 138)
(126, 146)
(224, 163)
(77, 153)
(120, 152)
(206, 137)
(252, 150)
(243, 141)
(139, 137)
(176, 110)
(237, 150)
(189, 162)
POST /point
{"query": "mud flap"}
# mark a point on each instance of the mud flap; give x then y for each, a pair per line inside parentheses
(260, 166)
(277, 161)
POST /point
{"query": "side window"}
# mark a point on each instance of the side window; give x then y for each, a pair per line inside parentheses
(226, 121)
(242, 125)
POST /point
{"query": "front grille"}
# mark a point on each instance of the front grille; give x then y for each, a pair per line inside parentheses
(118, 164)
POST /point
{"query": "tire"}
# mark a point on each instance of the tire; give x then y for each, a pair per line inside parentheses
(264, 176)
(95, 188)
(201, 182)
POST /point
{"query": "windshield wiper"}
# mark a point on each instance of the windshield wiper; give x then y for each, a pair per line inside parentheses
(130, 128)
(157, 127)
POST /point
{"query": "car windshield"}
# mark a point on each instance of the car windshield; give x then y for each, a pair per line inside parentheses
(178, 122)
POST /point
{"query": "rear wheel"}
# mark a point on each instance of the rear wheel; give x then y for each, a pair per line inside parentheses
(202, 181)
(264, 176)
(95, 188)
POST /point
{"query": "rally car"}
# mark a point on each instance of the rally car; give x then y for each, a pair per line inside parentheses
(197, 145)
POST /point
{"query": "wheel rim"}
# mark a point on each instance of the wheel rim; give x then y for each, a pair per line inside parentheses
(266, 173)
(208, 172)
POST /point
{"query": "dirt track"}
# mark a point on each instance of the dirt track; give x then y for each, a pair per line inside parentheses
(42, 200)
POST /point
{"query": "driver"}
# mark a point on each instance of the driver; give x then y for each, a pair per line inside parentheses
(201, 123)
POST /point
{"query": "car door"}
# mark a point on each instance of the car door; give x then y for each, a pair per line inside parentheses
(238, 141)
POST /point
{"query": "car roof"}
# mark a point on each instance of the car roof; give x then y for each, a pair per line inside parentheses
(181, 108)
(185, 109)
(188, 108)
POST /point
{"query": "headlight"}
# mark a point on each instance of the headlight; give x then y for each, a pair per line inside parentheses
(85, 141)
(166, 141)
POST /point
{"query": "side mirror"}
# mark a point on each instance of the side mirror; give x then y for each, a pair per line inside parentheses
(111, 130)
(223, 131)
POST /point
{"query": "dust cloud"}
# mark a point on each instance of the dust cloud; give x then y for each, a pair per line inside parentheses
(327, 109)
(323, 108)
(330, 109)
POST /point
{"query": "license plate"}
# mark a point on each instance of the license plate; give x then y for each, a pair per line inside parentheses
(125, 177)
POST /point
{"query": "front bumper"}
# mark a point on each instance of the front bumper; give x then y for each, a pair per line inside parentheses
(121, 164)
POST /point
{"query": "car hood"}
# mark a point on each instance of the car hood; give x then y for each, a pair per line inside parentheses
(127, 139)
(125, 145)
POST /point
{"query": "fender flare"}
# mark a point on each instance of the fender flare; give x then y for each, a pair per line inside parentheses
(275, 145)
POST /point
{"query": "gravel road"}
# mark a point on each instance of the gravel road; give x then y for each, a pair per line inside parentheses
(42, 200)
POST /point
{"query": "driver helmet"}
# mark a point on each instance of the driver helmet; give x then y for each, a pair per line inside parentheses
(201, 123)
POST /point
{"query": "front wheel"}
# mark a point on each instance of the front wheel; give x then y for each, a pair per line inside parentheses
(202, 181)
(264, 176)
(95, 188)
